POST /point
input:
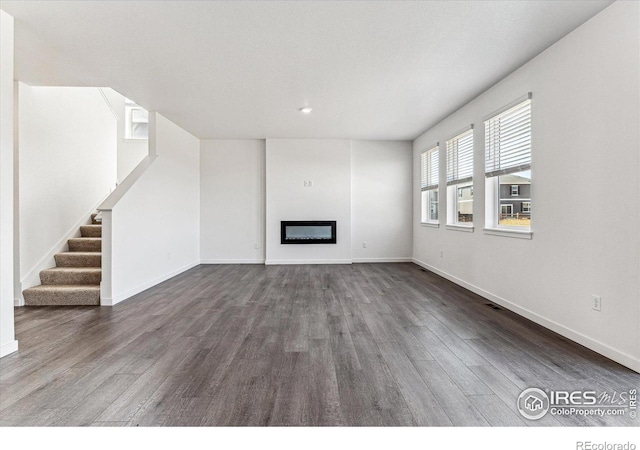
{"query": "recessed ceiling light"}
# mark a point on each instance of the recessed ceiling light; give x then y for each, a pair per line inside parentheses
(306, 110)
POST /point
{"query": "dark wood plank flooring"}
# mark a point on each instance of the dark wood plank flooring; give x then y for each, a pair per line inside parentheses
(367, 344)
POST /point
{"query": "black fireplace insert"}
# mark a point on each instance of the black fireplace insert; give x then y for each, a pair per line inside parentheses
(308, 232)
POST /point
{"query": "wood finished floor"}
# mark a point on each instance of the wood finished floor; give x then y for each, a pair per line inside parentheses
(367, 344)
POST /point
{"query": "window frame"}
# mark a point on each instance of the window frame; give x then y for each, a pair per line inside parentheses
(494, 168)
(427, 187)
(130, 108)
(454, 203)
(459, 173)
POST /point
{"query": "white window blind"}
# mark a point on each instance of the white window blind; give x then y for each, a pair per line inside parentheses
(508, 140)
(429, 169)
(460, 158)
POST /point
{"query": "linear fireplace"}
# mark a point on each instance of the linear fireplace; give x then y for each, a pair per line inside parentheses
(308, 232)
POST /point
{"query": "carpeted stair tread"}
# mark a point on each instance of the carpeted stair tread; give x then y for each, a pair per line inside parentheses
(76, 278)
(62, 295)
(94, 221)
(85, 244)
(78, 259)
(91, 231)
(71, 276)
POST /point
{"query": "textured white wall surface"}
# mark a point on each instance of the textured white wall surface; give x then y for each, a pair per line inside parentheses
(585, 191)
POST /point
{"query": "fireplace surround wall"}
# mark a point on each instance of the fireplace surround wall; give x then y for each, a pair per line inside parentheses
(325, 162)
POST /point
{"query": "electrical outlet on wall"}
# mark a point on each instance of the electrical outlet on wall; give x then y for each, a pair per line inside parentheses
(255, 246)
(597, 303)
(441, 253)
(364, 244)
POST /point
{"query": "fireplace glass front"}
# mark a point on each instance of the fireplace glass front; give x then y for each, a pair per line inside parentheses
(308, 232)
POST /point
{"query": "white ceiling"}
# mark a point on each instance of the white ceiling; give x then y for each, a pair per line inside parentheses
(369, 69)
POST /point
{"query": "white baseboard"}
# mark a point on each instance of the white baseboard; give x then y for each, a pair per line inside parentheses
(18, 299)
(232, 261)
(383, 260)
(8, 348)
(275, 262)
(146, 285)
(597, 346)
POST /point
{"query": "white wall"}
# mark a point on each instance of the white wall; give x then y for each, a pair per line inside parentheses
(374, 177)
(381, 212)
(8, 344)
(327, 164)
(232, 201)
(130, 151)
(585, 192)
(67, 166)
(154, 225)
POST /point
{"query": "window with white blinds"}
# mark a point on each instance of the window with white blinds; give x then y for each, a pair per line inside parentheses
(460, 158)
(429, 169)
(508, 140)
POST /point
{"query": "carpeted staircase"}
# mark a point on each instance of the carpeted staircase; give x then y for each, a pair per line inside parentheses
(76, 279)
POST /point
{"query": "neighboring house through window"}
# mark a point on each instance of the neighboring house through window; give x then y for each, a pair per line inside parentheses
(506, 210)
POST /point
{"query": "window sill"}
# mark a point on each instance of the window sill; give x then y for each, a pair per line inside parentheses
(132, 140)
(430, 224)
(505, 232)
(458, 227)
